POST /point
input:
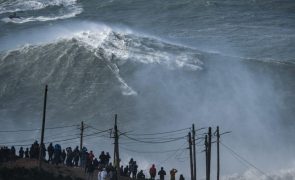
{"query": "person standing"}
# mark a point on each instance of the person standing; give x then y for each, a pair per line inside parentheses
(181, 177)
(153, 172)
(103, 174)
(107, 158)
(162, 173)
(21, 152)
(173, 173)
(50, 150)
(134, 170)
(140, 175)
(90, 171)
(27, 153)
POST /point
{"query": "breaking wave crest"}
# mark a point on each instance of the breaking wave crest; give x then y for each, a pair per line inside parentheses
(106, 47)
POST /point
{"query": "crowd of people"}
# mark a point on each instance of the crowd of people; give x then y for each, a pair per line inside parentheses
(83, 159)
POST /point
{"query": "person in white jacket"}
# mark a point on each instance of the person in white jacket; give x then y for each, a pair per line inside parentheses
(102, 175)
(98, 175)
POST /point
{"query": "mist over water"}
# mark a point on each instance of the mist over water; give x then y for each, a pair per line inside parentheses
(160, 66)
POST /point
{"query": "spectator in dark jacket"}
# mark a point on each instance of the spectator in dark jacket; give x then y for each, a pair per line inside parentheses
(162, 173)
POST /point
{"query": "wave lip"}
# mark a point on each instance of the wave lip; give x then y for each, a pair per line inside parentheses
(67, 9)
(119, 47)
(131, 47)
(111, 48)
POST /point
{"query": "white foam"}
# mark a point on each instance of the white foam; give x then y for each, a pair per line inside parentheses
(24, 5)
(128, 47)
(116, 48)
(284, 174)
(126, 90)
(70, 6)
(43, 18)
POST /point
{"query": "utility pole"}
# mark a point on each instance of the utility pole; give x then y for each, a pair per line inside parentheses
(43, 128)
(81, 135)
(116, 149)
(190, 154)
(209, 151)
(194, 152)
(218, 160)
(81, 140)
(206, 155)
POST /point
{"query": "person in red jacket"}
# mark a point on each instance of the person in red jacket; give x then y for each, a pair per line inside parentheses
(91, 156)
(153, 172)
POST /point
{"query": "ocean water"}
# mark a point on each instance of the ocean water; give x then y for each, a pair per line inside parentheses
(161, 66)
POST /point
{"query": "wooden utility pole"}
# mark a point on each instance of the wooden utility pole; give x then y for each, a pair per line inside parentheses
(81, 140)
(81, 135)
(218, 160)
(194, 152)
(209, 151)
(206, 155)
(190, 154)
(43, 128)
(116, 149)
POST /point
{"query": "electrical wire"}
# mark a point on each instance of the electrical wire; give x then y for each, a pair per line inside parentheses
(158, 138)
(157, 133)
(99, 132)
(154, 142)
(87, 125)
(16, 142)
(148, 152)
(173, 154)
(63, 140)
(59, 135)
(244, 160)
(38, 129)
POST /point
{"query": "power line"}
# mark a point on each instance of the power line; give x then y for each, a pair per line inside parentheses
(49, 141)
(99, 132)
(20, 141)
(173, 154)
(62, 140)
(158, 138)
(155, 137)
(154, 142)
(87, 125)
(246, 161)
(129, 142)
(149, 152)
(37, 129)
(95, 136)
(84, 136)
(16, 142)
(60, 134)
(62, 127)
(157, 133)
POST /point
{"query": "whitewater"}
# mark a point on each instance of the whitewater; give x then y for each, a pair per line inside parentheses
(161, 66)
